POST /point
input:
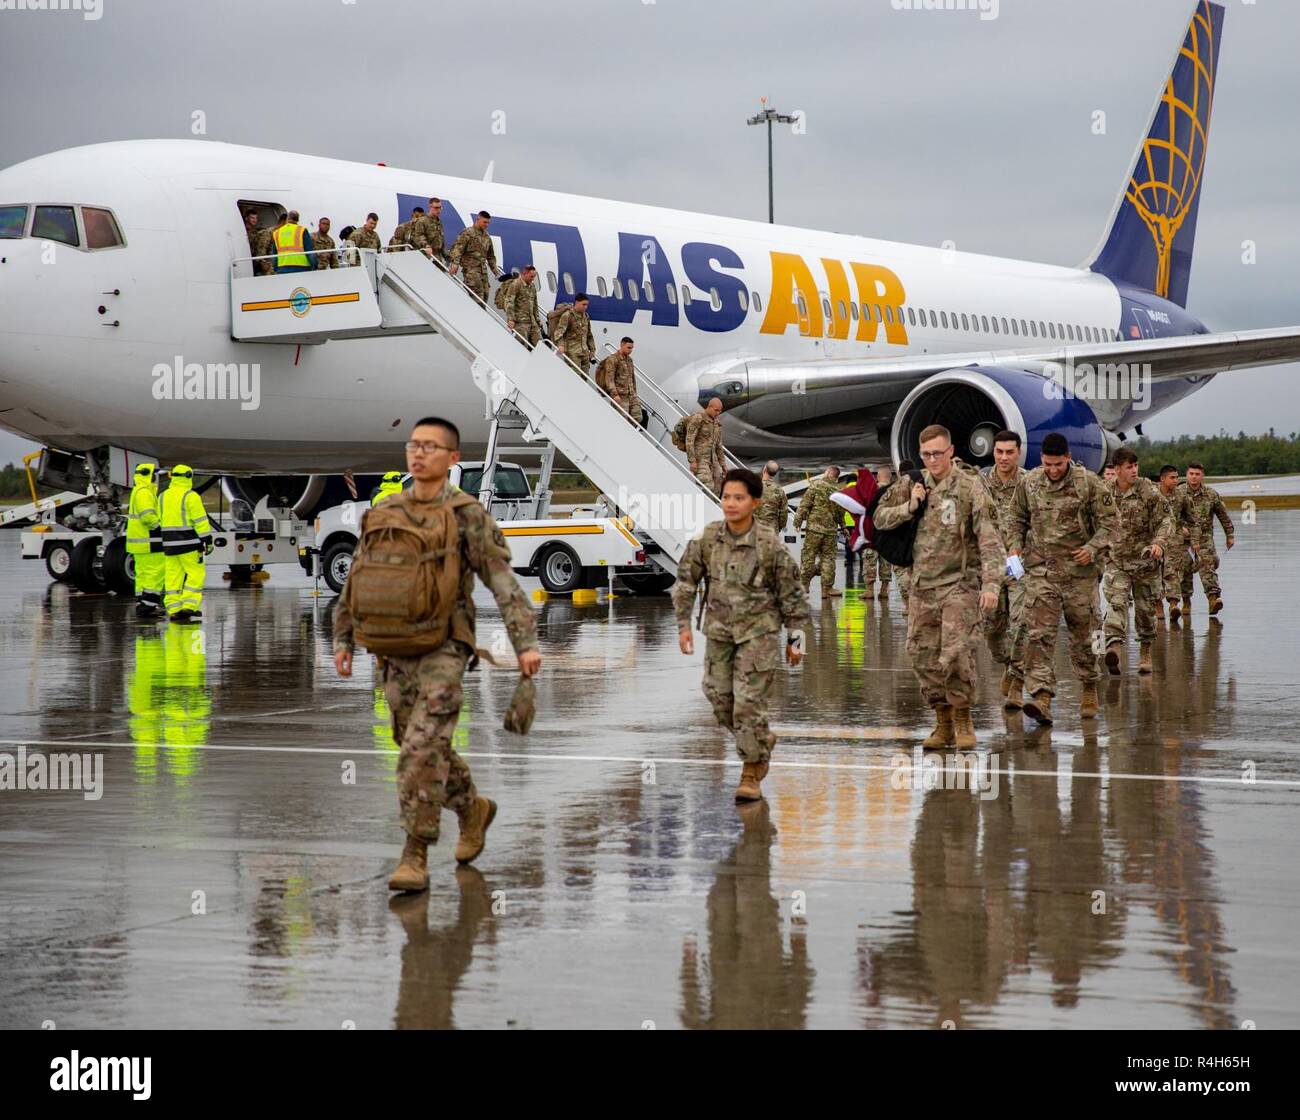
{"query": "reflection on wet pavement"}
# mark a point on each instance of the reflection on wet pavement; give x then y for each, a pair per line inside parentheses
(233, 871)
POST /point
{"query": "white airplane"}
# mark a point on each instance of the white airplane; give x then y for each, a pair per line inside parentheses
(116, 258)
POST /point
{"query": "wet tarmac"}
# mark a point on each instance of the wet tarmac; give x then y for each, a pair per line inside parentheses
(230, 875)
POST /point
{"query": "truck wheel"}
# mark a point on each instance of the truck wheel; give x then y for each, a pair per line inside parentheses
(559, 570)
(336, 563)
(84, 571)
(58, 561)
(118, 567)
(655, 584)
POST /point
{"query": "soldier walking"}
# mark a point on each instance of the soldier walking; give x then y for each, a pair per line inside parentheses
(775, 507)
(751, 591)
(1004, 629)
(402, 234)
(324, 245)
(875, 566)
(474, 253)
(1177, 558)
(520, 302)
(616, 374)
(1061, 523)
(427, 234)
(957, 566)
(1144, 533)
(822, 518)
(422, 659)
(704, 452)
(572, 334)
(1201, 506)
(366, 236)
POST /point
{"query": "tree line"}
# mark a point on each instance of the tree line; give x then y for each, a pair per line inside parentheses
(1222, 454)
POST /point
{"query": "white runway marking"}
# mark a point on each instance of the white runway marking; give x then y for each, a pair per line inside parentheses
(638, 760)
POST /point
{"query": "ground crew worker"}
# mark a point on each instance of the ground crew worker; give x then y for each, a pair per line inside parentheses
(1004, 629)
(1061, 522)
(474, 252)
(822, 518)
(144, 541)
(326, 257)
(617, 376)
(1144, 533)
(1177, 558)
(704, 452)
(520, 302)
(292, 246)
(957, 566)
(427, 234)
(402, 234)
(186, 538)
(1201, 507)
(751, 590)
(366, 237)
(424, 690)
(391, 483)
(775, 507)
(572, 335)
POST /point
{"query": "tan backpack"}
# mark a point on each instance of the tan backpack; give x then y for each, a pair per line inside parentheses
(553, 318)
(679, 433)
(405, 577)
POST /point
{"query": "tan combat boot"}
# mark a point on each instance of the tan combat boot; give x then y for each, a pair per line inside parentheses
(1174, 610)
(943, 733)
(1187, 609)
(963, 729)
(1039, 707)
(412, 872)
(1088, 703)
(750, 777)
(1144, 659)
(1216, 605)
(883, 593)
(1160, 609)
(1005, 685)
(834, 593)
(1112, 659)
(1015, 696)
(473, 829)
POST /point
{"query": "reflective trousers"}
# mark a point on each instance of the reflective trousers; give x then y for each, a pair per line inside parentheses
(183, 583)
(149, 571)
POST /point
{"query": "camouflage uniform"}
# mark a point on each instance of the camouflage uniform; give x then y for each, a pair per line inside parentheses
(1142, 518)
(364, 238)
(704, 449)
(889, 497)
(573, 332)
(521, 306)
(822, 516)
(264, 246)
(1202, 507)
(326, 258)
(751, 589)
(874, 566)
(957, 555)
(1048, 521)
(424, 691)
(1004, 629)
(474, 254)
(401, 236)
(774, 508)
(1178, 560)
(426, 233)
(619, 375)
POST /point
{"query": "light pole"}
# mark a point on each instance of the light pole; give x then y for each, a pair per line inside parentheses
(767, 116)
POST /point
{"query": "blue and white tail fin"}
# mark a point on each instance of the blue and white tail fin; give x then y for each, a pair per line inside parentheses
(1153, 227)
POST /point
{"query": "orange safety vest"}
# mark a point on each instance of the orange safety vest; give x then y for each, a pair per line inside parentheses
(288, 246)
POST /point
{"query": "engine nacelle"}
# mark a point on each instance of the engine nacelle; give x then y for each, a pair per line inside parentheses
(305, 494)
(975, 403)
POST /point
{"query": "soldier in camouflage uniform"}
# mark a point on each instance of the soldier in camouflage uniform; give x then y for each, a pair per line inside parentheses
(402, 234)
(1004, 628)
(475, 253)
(326, 257)
(1201, 506)
(1061, 523)
(616, 374)
(875, 566)
(427, 234)
(775, 506)
(822, 518)
(704, 445)
(250, 226)
(751, 589)
(572, 335)
(901, 485)
(520, 301)
(365, 237)
(1144, 533)
(957, 566)
(262, 244)
(424, 691)
(1176, 559)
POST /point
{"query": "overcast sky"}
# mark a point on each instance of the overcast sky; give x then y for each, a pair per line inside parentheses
(921, 126)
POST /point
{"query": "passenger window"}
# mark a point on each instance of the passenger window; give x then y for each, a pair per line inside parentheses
(715, 300)
(1013, 327)
(101, 229)
(965, 325)
(1034, 328)
(984, 320)
(911, 317)
(632, 293)
(844, 311)
(55, 223)
(671, 289)
(617, 285)
(550, 280)
(648, 288)
(826, 307)
(568, 284)
(1024, 328)
(853, 311)
(880, 315)
(943, 319)
(995, 324)
(1051, 329)
(600, 286)
(744, 299)
(803, 307)
(758, 303)
(13, 220)
(686, 296)
(1004, 325)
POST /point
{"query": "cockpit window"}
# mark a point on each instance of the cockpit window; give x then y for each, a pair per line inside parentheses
(55, 223)
(13, 220)
(101, 228)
